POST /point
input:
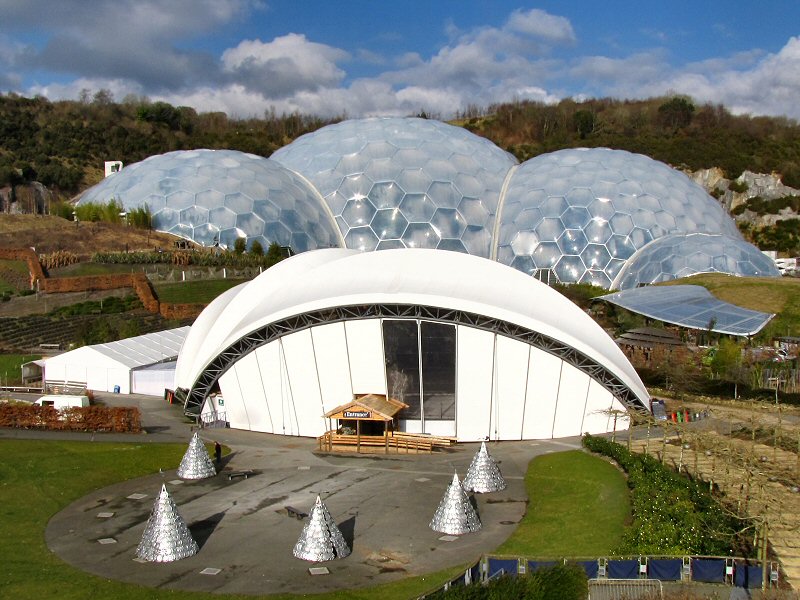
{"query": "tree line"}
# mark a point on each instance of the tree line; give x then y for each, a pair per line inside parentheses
(673, 130)
(63, 144)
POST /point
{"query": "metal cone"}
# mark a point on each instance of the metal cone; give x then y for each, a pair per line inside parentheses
(484, 475)
(321, 539)
(166, 537)
(455, 514)
(196, 464)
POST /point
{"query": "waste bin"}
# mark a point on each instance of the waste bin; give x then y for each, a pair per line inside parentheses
(116, 389)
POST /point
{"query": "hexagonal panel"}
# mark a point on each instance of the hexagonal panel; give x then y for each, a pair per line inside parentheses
(425, 165)
(389, 224)
(448, 223)
(358, 212)
(420, 235)
(417, 207)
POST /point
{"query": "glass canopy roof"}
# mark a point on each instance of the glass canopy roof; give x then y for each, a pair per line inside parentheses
(690, 306)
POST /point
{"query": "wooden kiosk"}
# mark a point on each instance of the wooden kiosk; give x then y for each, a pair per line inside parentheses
(368, 408)
(358, 428)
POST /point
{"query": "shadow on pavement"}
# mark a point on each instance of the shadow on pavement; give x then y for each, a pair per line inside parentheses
(202, 530)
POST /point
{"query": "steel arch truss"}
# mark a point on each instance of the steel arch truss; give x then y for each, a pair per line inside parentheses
(224, 360)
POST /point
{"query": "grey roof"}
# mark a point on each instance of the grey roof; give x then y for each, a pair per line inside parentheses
(690, 306)
(145, 349)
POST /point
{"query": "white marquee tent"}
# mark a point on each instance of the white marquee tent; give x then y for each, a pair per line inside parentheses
(131, 364)
(475, 348)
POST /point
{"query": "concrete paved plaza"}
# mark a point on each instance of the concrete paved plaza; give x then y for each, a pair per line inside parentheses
(383, 504)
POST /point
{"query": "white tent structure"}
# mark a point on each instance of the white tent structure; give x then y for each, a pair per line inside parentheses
(125, 366)
(475, 349)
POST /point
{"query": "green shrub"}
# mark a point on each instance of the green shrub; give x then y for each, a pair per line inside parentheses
(738, 186)
(559, 582)
(256, 249)
(671, 514)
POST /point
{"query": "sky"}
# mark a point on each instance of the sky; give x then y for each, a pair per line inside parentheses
(358, 58)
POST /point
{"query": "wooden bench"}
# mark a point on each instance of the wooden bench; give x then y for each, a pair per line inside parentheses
(295, 512)
(233, 475)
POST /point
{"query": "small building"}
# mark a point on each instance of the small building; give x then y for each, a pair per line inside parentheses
(370, 414)
(144, 364)
(112, 166)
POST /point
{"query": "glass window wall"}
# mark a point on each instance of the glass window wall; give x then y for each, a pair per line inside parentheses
(423, 351)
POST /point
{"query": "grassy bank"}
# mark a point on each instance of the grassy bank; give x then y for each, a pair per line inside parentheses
(11, 367)
(578, 508)
(194, 292)
(766, 294)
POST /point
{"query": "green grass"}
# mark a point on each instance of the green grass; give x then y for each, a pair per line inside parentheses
(84, 269)
(39, 478)
(20, 267)
(194, 292)
(578, 508)
(11, 367)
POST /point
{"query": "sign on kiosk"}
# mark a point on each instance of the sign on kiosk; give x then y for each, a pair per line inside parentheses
(357, 414)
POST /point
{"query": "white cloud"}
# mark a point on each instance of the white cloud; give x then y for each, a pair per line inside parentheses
(541, 24)
(149, 47)
(746, 82)
(285, 65)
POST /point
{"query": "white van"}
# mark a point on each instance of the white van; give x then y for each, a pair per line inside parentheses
(60, 401)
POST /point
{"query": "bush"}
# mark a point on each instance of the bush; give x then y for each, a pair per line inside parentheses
(559, 582)
(256, 249)
(671, 514)
(240, 245)
(88, 418)
(738, 186)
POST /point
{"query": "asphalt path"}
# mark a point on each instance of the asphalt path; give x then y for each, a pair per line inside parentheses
(383, 505)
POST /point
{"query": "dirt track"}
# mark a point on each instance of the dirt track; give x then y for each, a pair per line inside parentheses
(47, 234)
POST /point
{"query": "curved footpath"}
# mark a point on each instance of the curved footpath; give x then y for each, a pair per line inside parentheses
(382, 504)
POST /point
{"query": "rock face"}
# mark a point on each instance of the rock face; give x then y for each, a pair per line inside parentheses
(761, 185)
(32, 198)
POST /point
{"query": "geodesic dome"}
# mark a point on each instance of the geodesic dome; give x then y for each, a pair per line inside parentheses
(220, 195)
(575, 215)
(414, 183)
(681, 255)
(581, 213)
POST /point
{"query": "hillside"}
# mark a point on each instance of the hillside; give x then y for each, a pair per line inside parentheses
(49, 233)
(63, 144)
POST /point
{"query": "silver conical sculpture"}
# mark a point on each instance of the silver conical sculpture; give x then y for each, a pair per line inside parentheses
(166, 537)
(321, 539)
(455, 514)
(484, 475)
(196, 464)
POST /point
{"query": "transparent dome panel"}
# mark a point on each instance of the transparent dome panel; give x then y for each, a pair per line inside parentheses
(420, 235)
(389, 224)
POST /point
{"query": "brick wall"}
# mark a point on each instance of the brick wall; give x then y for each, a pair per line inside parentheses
(138, 281)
